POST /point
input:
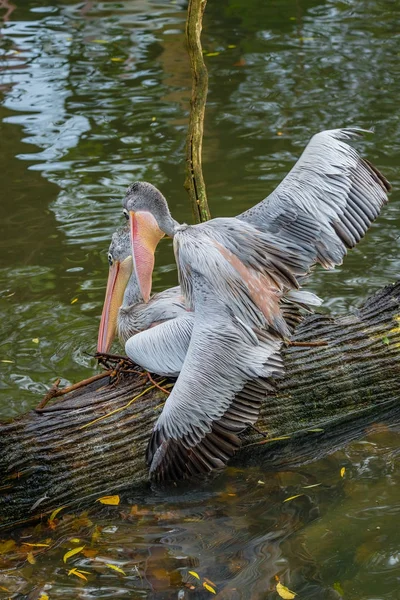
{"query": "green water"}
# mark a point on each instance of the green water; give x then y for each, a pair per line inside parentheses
(94, 95)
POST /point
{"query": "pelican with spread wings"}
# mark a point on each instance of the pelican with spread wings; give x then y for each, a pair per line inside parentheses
(238, 276)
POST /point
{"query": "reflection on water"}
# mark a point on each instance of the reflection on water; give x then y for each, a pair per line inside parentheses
(325, 531)
(95, 94)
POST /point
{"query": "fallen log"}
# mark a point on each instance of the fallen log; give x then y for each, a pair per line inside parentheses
(92, 442)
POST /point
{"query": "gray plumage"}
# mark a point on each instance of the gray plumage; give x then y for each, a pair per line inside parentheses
(241, 277)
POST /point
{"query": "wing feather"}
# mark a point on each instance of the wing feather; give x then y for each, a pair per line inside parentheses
(210, 404)
(328, 200)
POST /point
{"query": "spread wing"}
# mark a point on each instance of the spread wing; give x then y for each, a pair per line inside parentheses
(210, 403)
(162, 349)
(328, 200)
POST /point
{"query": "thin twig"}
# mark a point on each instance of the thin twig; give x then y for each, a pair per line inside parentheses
(194, 182)
(55, 392)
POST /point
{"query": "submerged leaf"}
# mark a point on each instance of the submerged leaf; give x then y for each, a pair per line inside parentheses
(284, 592)
(115, 568)
(111, 500)
(293, 497)
(72, 552)
(55, 513)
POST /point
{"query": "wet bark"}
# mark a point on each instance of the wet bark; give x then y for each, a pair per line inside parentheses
(92, 442)
(194, 182)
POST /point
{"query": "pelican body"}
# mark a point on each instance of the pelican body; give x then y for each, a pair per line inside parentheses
(238, 276)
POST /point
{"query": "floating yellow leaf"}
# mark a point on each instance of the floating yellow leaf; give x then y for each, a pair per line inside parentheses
(212, 54)
(30, 558)
(99, 42)
(75, 540)
(293, 497)
(72, 552)
(307, 487)
(3, 589)
(317, 429)
(284, 592)
(7, 546)
(79, 574)
(117, 59)
(115, 568)
(4, 360)
(231, 45)
(43, 597)
(112, 500)
(154, 119)
(209, 588)
(342, 471)
(35, 340)
(36, 545)
(279, 133)
(74, 300)
(55, 513)
(194, 574)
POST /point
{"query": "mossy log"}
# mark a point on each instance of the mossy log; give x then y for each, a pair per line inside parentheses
(92, 442)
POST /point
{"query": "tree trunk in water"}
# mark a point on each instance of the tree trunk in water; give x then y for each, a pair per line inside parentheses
(92, 442)
(194, 182)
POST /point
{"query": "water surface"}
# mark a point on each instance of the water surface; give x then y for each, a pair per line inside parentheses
(94, 95)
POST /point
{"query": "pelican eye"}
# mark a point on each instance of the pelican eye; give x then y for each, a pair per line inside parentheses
(110, 259)
(126, 214)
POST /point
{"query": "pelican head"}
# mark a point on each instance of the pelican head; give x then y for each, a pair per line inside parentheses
(121, 265)
(149, 218)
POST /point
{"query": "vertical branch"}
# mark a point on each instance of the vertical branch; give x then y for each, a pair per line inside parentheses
(194, 182)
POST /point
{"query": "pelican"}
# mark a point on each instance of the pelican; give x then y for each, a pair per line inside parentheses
(234, 274)
(125, 312)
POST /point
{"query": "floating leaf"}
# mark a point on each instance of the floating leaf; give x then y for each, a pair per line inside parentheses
(79, 574)
(293, 497)
(99, 41)
(231, 45)
(36, 545)
(72, 552)
(74, 300)
(75, 540)
(212, 54)
(55, 513)
(209, 588)
(3, 589)
(338, 588)
(261, 482)
(317, 429)
(43, 597)
(279, 133)
(342, 471)
(194, 574)
(89, 552)
(4, 360)
(284, 592)
(307, 487)
(117, 59)
(386, 340)
(35, 340)
(115, 568)
(7, 546)
(112, 500)
(30, 558)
